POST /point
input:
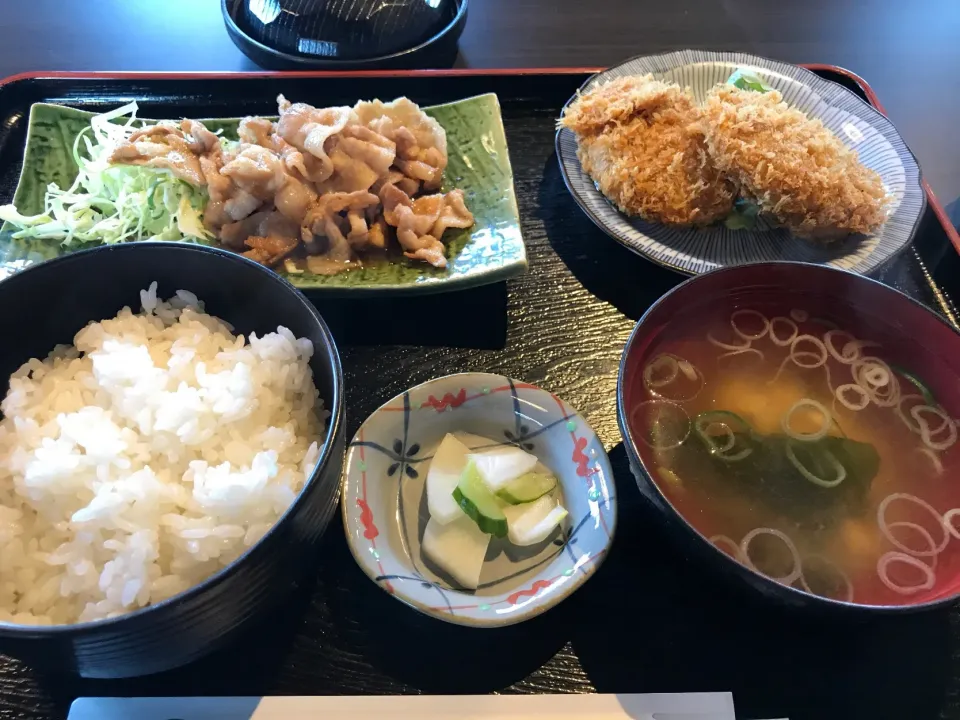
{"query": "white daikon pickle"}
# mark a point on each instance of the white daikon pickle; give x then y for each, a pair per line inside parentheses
(476, 443)
(534, 522)
(458, 548)
(442, 477)
(499, 466)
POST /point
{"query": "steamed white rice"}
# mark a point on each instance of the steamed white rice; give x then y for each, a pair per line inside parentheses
(145, 458)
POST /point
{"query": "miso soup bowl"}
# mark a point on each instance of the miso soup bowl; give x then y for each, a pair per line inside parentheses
(903, 323)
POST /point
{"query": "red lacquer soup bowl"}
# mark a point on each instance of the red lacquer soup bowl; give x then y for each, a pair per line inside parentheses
(796, 425)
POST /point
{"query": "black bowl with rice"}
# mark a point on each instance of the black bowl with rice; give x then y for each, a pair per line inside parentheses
(162, 478)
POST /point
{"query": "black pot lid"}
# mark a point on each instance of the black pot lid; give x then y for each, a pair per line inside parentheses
(344, 33)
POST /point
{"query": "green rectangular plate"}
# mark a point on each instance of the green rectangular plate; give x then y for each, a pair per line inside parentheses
(491, 251)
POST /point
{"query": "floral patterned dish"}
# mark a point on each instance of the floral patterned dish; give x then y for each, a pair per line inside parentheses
(384, 503)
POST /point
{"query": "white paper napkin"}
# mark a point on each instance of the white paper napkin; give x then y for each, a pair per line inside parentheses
(659, 706)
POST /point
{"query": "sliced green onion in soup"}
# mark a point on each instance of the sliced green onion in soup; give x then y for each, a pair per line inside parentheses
(665, 371)
(660, 424)
(878, 380)
(738, 423)
(816, 463)
(822, 576)
(723, 433)
(847, 353)
(744, 316)
(948, 522)
(917, 383)
(771, 556)
(818, 434)
(933, 437)
(778, 339)
(935, 547)
(660, 371)
(843, 396)
(817, 356)
(934, 459)
(915, 400)
(745, 351)
(926, 573)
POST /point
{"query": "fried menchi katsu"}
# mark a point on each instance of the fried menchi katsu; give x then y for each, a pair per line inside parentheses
(792, 166)
(641, 141)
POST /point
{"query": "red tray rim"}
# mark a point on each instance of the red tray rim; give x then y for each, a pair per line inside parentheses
(933, 201)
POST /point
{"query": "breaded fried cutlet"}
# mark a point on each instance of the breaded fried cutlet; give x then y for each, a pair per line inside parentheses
(792, 166)
(641, 140)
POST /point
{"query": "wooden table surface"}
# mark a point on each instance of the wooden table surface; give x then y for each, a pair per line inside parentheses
(908, 51)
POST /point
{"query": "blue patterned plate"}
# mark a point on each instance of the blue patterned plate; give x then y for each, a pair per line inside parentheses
(694, 251)
(384, 504)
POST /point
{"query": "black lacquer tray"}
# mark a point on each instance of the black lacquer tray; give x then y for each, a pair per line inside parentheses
(652, 620)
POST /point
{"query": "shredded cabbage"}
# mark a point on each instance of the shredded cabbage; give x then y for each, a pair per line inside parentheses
(747, 81)
(114, 203)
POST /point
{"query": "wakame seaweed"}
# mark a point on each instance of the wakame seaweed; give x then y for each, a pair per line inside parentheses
(767, 474)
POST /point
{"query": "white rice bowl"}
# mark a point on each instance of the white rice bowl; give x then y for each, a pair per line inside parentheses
(152, 453)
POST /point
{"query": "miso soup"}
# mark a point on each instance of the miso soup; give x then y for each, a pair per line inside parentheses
(807, 446)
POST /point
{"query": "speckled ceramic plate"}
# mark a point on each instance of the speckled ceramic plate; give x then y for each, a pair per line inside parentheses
(384, 503)
(491, 251)
(692, 251)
